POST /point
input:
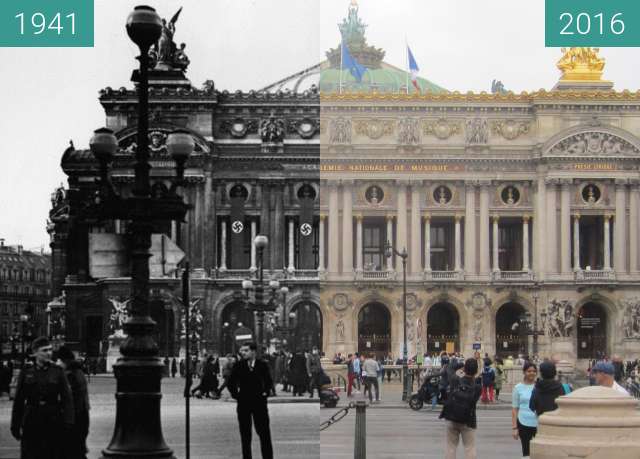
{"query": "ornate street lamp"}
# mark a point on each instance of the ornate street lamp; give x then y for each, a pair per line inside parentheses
(389, 251)
(259, 306)
(138, 430)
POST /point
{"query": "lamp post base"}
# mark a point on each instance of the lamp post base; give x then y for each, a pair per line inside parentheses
(138, 430)
(405, 382)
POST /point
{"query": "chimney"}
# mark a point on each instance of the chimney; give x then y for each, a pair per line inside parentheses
(19, 250)
(1, 242)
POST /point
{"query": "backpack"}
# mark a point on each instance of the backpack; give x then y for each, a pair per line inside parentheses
(567, 388)
(488, 376)
(460, 404)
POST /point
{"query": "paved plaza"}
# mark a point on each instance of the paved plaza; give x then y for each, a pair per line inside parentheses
(214, 430)
(401, 432)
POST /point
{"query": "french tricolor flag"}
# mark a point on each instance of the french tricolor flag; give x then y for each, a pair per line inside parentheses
(413, 68)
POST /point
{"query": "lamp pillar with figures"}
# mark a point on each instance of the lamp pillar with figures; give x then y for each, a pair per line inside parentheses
(259, 306)
(138, 371)
(389, 251)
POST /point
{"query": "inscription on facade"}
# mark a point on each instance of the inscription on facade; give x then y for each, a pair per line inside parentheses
(408, 167)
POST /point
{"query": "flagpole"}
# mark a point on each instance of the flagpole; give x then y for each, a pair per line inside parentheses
(406, 57)
(341, 59)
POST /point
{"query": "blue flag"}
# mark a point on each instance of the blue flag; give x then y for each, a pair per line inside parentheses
(349, 63)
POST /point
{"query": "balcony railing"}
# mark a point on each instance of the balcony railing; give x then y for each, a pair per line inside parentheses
(445, 276)
(595, 275)
(512, 276)
(302, 274)
(375, 275)
(218, 273)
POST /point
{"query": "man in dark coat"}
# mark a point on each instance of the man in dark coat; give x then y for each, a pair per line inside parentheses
(174, 367)
(42, 407)
(250, 384)
(76, 443)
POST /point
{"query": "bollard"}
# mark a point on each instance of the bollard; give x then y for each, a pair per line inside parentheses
(590, 423)
(360, 443)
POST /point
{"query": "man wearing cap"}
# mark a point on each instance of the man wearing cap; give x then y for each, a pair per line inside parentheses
(43, 407)
(604, 373)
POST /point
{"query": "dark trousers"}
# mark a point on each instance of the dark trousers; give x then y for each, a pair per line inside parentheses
(313, 384)
(257, 411)
(526, 434)
(372, 381)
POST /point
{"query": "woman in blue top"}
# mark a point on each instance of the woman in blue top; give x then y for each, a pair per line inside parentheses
(524, 421)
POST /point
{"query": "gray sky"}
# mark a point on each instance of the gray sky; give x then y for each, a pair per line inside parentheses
(50, 95)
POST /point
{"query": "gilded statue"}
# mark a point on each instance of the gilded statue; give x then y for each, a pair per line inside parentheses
(581, 63)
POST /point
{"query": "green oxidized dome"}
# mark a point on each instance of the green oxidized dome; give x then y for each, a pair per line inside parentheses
(380, 76)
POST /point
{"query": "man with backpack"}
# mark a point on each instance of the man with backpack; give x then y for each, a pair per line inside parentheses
(460, 411)
(488, 380)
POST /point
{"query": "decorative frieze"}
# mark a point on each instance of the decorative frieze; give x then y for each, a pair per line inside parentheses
(441, 129)
(510, 129)
(374, 129)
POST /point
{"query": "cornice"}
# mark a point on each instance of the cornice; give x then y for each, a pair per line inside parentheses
(541, 95)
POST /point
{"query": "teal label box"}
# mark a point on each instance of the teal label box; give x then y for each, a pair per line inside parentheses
(46, 23)
(614, 23)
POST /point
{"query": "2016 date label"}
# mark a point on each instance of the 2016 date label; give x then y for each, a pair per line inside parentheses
(592, 23)
(44, 23)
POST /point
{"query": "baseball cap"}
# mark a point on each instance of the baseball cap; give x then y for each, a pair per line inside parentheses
(604, 367)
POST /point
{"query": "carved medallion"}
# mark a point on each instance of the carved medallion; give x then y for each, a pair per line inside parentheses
(305, 128)
(239, 127)
(510, 129)
(441, 129)
(374, 129)
(340, 302)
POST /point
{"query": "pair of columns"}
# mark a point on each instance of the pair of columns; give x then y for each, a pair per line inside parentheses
(621, 249)
(254, 233)
(457, 243)
(223, 245)
(525, 243)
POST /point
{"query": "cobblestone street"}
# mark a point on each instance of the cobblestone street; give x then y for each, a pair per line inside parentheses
(214, 430)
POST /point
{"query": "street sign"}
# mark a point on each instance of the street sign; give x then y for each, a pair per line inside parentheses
(243, 337)
(109, 257)
(477, 346)
(305, 229)
(237, 227)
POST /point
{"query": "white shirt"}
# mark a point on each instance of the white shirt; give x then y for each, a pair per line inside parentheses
(619, 388)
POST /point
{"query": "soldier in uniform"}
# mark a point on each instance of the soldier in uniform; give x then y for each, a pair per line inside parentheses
(43, 407)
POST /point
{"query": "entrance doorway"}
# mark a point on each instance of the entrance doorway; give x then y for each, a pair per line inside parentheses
(443, 328)
(510, 337)
(592, 331)
(374, 330)
(235, 316)
(307, 327)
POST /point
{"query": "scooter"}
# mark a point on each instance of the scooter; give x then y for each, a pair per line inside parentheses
(328, 397)
(425, 393)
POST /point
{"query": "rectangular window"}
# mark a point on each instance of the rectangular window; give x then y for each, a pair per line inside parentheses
(373, 242)
(442, 250)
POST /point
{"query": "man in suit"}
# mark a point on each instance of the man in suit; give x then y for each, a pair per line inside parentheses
(250, 384)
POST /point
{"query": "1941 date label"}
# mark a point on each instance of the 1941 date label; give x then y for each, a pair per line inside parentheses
(613, 23)
(46, 23)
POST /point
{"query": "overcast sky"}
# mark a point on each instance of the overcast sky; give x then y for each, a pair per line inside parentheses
(50, 95)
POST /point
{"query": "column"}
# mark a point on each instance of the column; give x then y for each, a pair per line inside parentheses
(538, 243)
(458, 244)
(334, 234)
(607, 243)
(427, 243)
(565, 226)
(414, 253)
(389, 240)
(401, 229)
(470, 230)
(634, 204)
(347, 229)
(279, 228)
(619, 228)
(525, 243)
(359, 249)
(484, 229)
(254, 233)
(117, 228)
(576, 242)
(223, 245)
(291, 267)
(551, 243)
(496, 241)
(321, 242)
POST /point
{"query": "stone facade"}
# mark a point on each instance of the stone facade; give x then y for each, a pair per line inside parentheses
(254, 171)
(527, 200)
